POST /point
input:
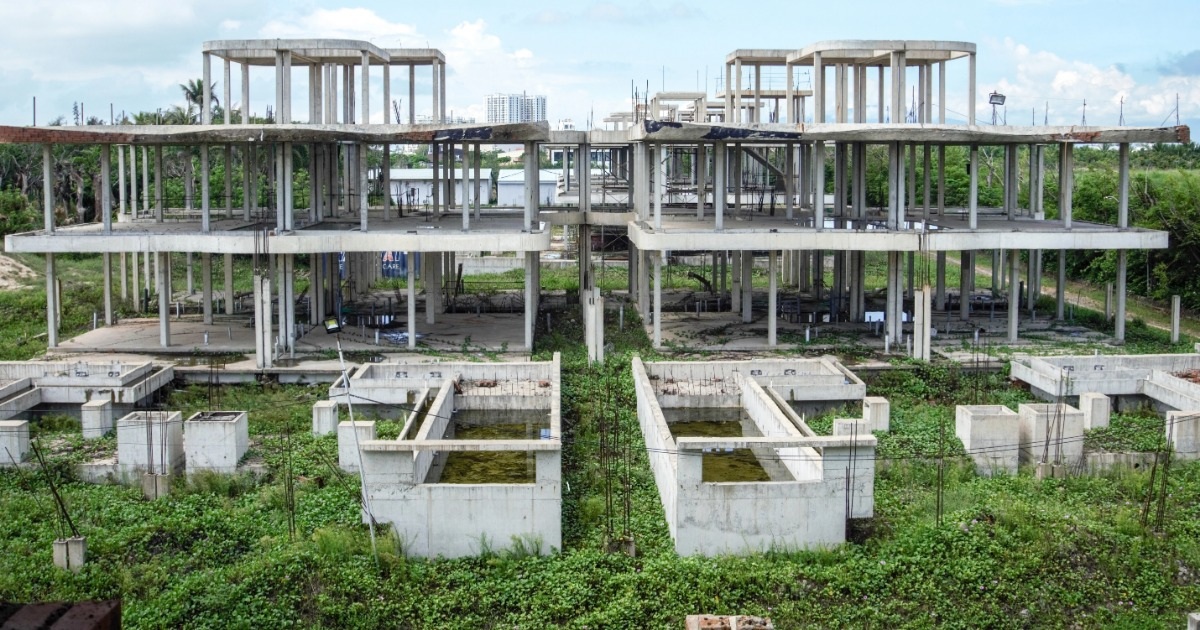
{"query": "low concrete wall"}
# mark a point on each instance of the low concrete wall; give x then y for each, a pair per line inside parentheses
(20, 403)
(1183, 432)
(991, 435)
(150, 442)
(1096, 408)
(453, 520)
(807, 511)
(96, 416)
(14, 442)
(216, 441)
(1045, 428)
(347, 453)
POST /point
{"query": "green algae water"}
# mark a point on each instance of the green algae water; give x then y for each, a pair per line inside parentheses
(490, 466)
(739, 465)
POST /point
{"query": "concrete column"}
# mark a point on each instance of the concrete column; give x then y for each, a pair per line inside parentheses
(643, 284)
(206, 287)
(532, 183)
(133, 182)
(249, 189)
(145, 181)
(360, 171)
(973, 192)
(657, 315)
(164, 298)
(970, 89)
(966, 280)
(819, 185)
(818, 89)
(1014, 294)
(228, 168)
(737, 94)
(366, 89)
(158, 183)
(1060, 288)
(206, 90)
(1119, 324)
(660, 175)
(136, 289)
(230, 297)
(1066, 182)
(1123, 186)
(719, 184)
(52, 302)
(263, 345)
(941, 281)
(531, 290)
(772, 298)
(735, 288)
(747, 286)
(106, 187)
(121, 207)
(1176, 311)
(191, 285)
(411, 299)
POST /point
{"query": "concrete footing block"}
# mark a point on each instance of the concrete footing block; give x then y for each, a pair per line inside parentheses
(325, 417)
(877, 411)
(97, 418)
(1044, 471)
(1051, 430)
(14, 442)
(1096, 408)
(347, 455)
(155, 486)
(1183, 432)
(70, 554)
(1194, 621)
(851, 426)
(989, 434)
(216, 441)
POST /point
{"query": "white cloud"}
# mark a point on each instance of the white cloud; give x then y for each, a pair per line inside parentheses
(1035, 79)
(348, 23)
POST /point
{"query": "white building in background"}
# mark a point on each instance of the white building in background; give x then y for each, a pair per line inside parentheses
(510, 186)
(515, 108)
(414, 186)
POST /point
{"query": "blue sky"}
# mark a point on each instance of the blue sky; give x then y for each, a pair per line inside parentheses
(584, 55)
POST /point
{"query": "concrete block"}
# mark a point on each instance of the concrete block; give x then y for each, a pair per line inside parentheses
(851, 426)
(1194, 621)
(150, 441)
(1047, 428)
(216, 441)
(325, 417)
(877, 411)
(347, 455)
(1096, 408)
(1183, 431)
(155, 486)
(70, 553)
(97, 418)
(14, 441)
(990, 435)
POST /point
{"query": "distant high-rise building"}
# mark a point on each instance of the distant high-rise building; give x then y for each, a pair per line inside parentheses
(514, 108)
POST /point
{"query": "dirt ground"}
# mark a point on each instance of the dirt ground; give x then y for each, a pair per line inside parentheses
(14, 275)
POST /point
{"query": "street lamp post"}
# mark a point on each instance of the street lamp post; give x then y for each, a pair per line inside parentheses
(995, 98)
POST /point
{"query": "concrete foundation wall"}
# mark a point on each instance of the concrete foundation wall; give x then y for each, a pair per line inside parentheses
(1183, 431)
(1062, 423)
(325, 417)
(706, 518)
(77, 383)
(991, 435)
(1096, 408)
(150, 442)
(14, 442)
(347, 454)
(20, 403)
(216, 441)
(96, 417)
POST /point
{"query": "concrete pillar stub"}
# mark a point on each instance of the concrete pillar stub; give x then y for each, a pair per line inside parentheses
(1096, 408)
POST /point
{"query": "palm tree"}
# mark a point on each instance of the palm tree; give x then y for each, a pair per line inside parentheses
(193, 93)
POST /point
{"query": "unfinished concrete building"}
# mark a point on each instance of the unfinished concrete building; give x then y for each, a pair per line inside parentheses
(694, 176)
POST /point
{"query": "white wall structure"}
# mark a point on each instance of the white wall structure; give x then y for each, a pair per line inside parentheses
(434, 518)
(14, 442)
(1052, 433)
(1096, 408)
(216, 441)
(97, 418)
(418, 182)
(510, 187)
(150, 442)
(804, 506)
(1183, 432)
(325, 417)
(991, 435)
(347, 441)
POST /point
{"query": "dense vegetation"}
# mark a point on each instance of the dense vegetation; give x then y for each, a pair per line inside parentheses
(1008, 552)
